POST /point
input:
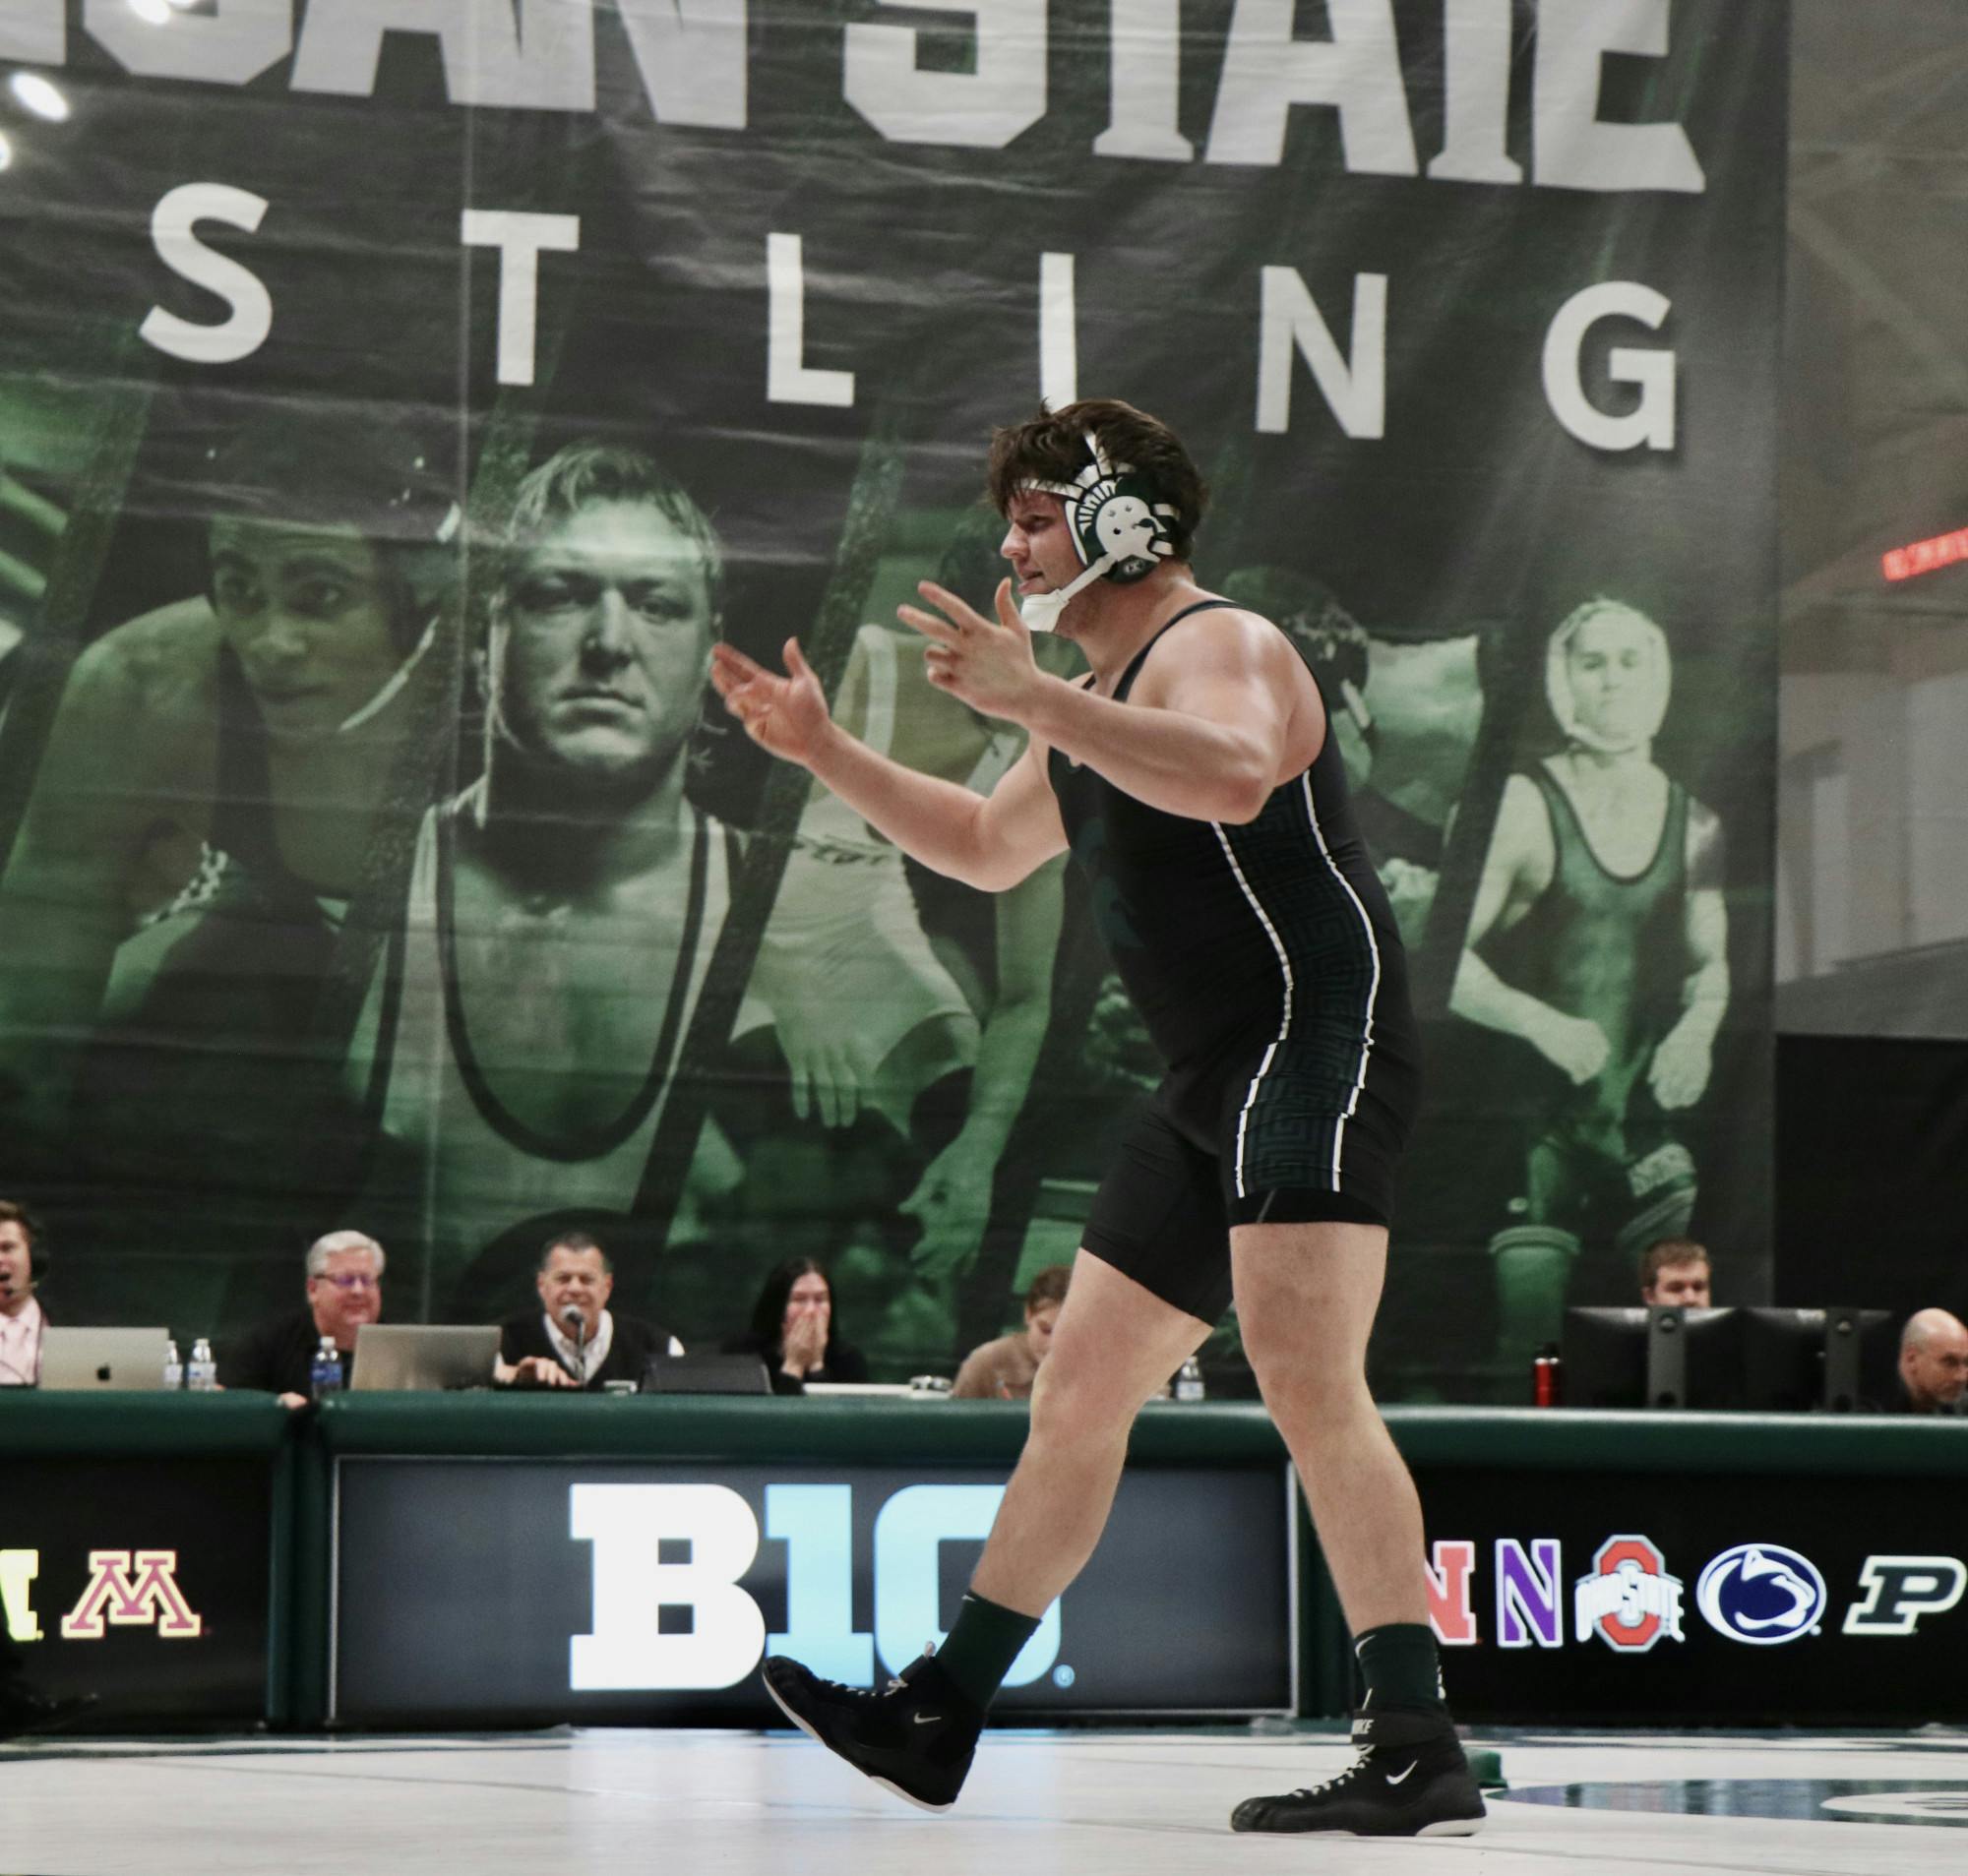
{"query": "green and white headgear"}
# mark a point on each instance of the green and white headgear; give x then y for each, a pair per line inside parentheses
(1118, 528)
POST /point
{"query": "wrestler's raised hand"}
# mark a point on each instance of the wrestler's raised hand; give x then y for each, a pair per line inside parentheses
(986, 663)
(786, 715)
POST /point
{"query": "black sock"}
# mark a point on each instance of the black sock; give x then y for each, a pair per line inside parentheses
(982, 1645)
(1400, 1666)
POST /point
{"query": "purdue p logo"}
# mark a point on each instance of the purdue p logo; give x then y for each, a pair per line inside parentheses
(126, 1598)
(1900, 1591)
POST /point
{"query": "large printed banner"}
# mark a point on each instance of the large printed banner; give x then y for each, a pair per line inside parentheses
(397, 400)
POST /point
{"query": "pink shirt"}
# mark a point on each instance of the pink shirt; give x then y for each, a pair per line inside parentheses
(21, 1347)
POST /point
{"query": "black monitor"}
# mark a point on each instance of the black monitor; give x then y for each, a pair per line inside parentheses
(1840, 1360)
(1783, 1361)
(1861, 1350)
(1694, 1357)
(1603, 1358)
(1652, 1358)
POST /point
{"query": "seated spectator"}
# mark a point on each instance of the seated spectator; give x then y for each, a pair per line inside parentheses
(21, 1318)
(1934, 1364)
(1005, 1370)
(573, 1339)
(344, 1290)
(1674, 1275)
(793, 1331)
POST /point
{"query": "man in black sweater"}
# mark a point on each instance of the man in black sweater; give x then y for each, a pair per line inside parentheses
(573, 1339)
(344, 1290)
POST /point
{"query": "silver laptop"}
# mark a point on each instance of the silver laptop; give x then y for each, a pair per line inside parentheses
(395, 1356)
(94, 1359)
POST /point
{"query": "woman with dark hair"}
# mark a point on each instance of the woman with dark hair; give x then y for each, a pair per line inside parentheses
(793, 1330)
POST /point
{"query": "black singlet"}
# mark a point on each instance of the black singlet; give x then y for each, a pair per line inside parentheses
(1220, 931)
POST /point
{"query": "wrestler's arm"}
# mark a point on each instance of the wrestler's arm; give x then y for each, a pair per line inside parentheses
(1516, 870)
(850, 707)
(1029, 918)
(1210, 727)
(122, 758)
(989, 843)
(1508, 881)
(1679, 1072)
(1216, 722)
(953, 1198)
(1706, 991)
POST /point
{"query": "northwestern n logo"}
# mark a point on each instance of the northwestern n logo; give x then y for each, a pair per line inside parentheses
(124, 1599)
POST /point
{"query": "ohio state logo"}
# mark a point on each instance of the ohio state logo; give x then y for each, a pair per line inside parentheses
(124, 1598)
(1628, 1600)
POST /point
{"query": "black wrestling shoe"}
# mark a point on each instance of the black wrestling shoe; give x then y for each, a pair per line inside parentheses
(916, 1737)
(1410, 1779)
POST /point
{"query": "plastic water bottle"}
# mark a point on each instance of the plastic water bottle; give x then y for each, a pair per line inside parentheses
(327, 1372)
(202, 1376)
(174, 1372)
(1189, 1380)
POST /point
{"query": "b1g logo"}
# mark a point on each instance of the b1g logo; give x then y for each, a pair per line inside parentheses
(1900, 1591)
(670, 1610)
(1760, 1594)
(1628, 1600)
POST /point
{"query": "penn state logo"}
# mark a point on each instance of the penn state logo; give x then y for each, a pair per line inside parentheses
(1760, 1594)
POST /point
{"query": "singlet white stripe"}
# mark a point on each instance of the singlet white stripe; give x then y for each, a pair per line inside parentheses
(1284, 1026)
(1373, 989)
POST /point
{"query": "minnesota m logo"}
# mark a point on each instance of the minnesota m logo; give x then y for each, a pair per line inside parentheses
(117, 1597)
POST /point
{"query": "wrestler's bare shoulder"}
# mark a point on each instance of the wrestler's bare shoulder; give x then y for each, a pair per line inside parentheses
(1227, 641)
(162, 667)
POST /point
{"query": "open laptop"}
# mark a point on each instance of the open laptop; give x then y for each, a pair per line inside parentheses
(91, 1360)
(391, 1357)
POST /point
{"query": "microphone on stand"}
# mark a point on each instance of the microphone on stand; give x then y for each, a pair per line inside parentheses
(575, 1322)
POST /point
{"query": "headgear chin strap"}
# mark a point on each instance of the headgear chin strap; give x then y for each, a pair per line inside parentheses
(1119, 530)
(447, 531)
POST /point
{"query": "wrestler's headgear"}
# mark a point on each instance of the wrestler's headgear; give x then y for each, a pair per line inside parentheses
(1657, 674)
(1119, 529)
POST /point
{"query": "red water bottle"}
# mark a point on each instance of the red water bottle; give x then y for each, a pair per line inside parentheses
(1547, 1379)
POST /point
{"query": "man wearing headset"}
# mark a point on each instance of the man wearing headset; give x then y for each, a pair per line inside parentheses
(21, 1318)
(1193, 780)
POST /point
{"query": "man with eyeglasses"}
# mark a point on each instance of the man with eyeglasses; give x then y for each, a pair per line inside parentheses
(344, 1290)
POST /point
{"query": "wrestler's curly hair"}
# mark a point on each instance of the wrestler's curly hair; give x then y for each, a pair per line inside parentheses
(1052, 448)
